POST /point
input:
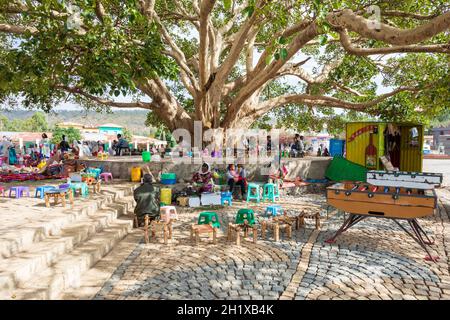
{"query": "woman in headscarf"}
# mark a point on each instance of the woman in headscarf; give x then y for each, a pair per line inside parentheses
(203, 179)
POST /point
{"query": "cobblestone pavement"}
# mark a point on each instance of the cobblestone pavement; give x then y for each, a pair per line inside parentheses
(373, 260)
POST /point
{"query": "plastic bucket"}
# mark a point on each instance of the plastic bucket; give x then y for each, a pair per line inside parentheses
(146, 156)
(166, 196)
(136, 174)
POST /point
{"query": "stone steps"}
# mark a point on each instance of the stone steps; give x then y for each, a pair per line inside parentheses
(15, 241)
(67, 272)
(46, 266)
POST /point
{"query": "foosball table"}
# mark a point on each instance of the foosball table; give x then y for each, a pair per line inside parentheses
(397, 196)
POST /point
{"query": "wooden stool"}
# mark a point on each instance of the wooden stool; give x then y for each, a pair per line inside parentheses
(165, 227)
(90, 181)
(183, 201)
(197, 229)
(58, 195)
(235, 229)
(301, 218)
(276, 225)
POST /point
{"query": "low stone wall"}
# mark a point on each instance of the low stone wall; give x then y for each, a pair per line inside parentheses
(120, 167)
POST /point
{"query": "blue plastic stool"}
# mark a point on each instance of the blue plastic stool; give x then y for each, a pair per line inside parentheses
(95, 171)
(274, 210)
(250, 196)
(41, 191)
(271, 192)
(226, 196)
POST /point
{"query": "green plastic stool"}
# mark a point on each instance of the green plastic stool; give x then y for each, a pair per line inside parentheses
(250, 196)
(271, 192)
(245, 215)
(207, 217)
(80, 186)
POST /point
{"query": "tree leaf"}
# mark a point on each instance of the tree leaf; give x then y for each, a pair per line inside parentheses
(268, 59)
(227, 4)
(323, 39)
(282, 40)
(248, 11)
(283, 53)
(277, 56)
(116, 93)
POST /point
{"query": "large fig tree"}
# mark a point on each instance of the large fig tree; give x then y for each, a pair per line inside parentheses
(215, 61)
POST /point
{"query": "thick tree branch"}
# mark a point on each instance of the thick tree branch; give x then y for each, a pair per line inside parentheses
(8, 28)
(106, 102)
(433, 48)
(206, 7)
(313, 100)
(402, 14)
(100, 10)
(395, 36)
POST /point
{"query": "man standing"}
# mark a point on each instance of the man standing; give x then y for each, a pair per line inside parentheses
(298, 147)
(64, 145)
(147, 198)
(121, 144)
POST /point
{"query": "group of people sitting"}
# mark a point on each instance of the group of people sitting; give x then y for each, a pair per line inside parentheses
(203, 180)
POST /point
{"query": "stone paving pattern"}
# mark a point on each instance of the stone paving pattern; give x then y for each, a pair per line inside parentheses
(373, 260)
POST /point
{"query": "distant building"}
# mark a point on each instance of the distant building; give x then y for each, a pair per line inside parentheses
(110, 128)
(438, 135)
(67, 125)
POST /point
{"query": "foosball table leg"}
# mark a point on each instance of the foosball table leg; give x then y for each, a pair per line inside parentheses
(255, 234)
(63, 200)
(417, 236)
(238, 236)
(351, 221)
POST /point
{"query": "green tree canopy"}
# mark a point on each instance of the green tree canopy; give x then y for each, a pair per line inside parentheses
(36, 123)
(213, 60)
(70, 133)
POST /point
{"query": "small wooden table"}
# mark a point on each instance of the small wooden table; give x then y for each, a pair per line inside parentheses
(94, 183)
(197, 229)
(154, 226)
(276, 224)
(58, 194)
(235, 229)
(301, 219)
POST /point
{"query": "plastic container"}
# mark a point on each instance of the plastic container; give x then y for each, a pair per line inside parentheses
(166, 196)
(146, 156)
(336, 147)
(168, 178)
(136, 174)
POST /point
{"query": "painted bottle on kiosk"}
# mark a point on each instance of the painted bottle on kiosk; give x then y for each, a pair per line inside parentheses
(371, 154)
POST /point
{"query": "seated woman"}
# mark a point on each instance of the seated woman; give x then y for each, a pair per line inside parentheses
(147, 200)
(235, 178)
(203, 179)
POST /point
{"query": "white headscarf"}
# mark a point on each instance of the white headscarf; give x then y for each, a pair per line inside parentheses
(209, 168)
